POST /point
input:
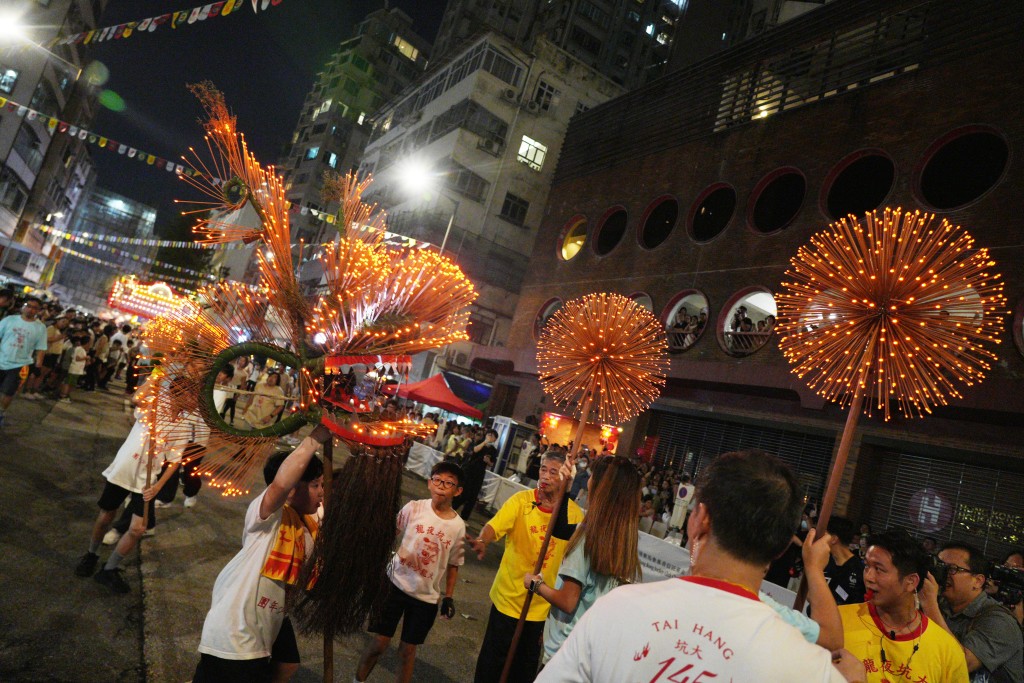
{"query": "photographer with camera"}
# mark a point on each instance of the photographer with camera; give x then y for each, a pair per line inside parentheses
(1006, 584)
(986, 630)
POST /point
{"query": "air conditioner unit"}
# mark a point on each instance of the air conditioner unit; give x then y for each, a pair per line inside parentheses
(490, 146)
(508, 94)
(533, 107)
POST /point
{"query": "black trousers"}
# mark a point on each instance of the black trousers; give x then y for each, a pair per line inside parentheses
(497, 638)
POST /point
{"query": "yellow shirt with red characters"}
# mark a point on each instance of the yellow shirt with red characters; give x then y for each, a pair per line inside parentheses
(928, 655)
(525, 524)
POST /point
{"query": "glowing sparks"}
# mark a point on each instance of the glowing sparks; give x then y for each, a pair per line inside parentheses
(607, 347)
(897, 306)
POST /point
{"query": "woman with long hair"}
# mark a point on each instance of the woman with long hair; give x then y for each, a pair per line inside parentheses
(602, 552)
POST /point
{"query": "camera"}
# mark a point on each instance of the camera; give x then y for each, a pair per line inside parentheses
(938, 569)
(1010, 582)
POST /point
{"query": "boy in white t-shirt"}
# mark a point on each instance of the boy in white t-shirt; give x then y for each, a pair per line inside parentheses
(431, 549)
(246, 634)
(127, 476)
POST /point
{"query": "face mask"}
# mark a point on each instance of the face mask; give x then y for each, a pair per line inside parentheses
(581, 466)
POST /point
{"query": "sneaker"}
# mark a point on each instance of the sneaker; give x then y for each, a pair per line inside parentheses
(161, 504)
(190, 501)
(112, 579)
(31, 397)
(65, 400)
(87, 565)
(111, 537)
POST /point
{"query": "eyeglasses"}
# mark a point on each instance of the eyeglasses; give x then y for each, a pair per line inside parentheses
(443, 484)
(955, 569)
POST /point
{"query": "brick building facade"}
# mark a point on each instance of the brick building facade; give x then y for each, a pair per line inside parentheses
(858, 105)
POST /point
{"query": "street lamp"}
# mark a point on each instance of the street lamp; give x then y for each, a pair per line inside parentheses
(419, 179)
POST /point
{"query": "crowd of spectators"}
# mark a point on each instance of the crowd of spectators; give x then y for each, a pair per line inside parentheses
(70, 350)
(744, 334)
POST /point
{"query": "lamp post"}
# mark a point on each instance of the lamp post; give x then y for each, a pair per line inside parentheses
(419, 179)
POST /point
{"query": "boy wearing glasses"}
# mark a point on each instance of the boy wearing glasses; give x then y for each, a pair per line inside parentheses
(431, 550)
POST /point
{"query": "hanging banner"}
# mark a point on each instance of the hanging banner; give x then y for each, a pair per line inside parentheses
(175, 20)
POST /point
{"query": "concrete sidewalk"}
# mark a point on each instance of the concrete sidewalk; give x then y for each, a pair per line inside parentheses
(55, 626)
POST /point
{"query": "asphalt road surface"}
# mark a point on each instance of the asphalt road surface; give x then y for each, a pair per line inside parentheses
(55, 626)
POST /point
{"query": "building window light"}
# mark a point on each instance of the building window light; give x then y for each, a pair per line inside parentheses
(532, 153)
(312, 152)
(332, 160)
(650, 29)
(406, 48)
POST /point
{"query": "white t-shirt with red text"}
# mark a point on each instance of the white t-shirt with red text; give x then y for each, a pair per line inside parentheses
(129, 467)
(247, 608)
(429, 546)
(692, 629)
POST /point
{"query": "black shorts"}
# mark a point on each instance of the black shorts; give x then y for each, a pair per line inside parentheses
(285, 649)
(10, 380)
(417, 617)
(50, 360)
(216, 670)
(113, 496)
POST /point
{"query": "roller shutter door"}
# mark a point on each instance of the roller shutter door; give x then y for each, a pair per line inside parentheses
(686, 442)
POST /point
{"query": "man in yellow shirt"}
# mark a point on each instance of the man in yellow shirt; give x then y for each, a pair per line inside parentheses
(894, 639)
(523, 520)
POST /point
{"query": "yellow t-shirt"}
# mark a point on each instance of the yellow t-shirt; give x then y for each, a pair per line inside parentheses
(938, 659)
(525, 524)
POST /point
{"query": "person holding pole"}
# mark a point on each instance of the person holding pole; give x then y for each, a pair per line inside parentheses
(245, 631)
(523, 521)
(129, 474)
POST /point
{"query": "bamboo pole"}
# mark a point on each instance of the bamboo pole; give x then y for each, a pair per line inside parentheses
(328, 483)
(836, 475)
(539, 564)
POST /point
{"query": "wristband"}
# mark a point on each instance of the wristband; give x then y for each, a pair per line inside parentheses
(536, 584)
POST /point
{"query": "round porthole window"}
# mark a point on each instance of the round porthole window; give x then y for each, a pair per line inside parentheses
(711, 212)
(777, 199)
(961, 167)
(574, 234)
(747, 322)
(549, 308)
(610, 231)
(858, 184)
(658, 221)
(685, 319)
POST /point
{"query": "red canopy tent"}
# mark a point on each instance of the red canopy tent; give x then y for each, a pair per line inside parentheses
(434, 391)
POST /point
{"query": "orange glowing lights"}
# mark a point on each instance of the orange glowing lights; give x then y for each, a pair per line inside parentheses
(607, 347)
(866, 298)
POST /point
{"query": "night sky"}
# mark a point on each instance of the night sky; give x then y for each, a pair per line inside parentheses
(263, 62)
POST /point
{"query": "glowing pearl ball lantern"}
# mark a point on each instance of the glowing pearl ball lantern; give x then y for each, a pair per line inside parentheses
(896, 309)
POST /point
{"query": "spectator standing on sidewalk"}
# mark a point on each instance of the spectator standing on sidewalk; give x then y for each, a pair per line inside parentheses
(22, 338)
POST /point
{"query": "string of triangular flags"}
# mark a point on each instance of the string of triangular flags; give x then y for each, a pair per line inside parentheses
(173, 19)
(93, 244)
(135, 241)
(55, 125)
(120, 266)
